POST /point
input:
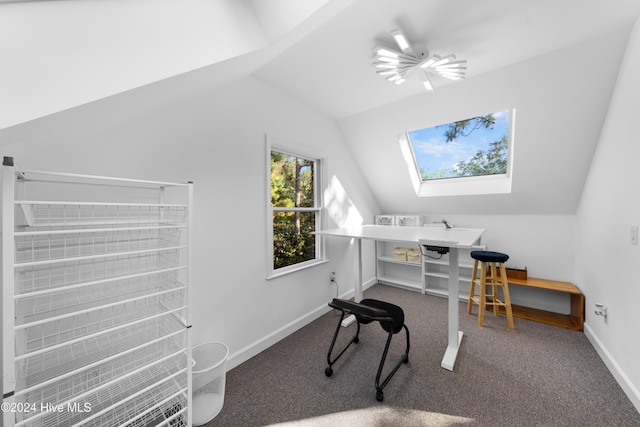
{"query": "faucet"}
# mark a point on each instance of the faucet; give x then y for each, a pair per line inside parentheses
(446, 224)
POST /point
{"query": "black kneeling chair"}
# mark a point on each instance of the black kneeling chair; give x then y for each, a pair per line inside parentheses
(391, 318)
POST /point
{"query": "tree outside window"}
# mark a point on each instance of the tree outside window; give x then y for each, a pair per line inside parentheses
(472, 147)
(295, 209)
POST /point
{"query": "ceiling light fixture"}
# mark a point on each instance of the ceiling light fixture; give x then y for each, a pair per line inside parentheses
(397, 67)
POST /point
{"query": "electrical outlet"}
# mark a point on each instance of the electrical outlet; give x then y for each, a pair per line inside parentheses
(634, 234)
(332, 276)
(601, 310)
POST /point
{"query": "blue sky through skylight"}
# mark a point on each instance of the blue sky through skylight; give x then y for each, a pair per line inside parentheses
(433, 153)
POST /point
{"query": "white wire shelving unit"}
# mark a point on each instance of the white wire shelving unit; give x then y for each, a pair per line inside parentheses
(95, 319)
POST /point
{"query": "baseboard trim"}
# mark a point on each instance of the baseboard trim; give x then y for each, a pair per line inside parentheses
(264, 343)
(623, 380)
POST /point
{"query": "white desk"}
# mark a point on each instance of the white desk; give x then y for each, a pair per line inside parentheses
(452, 238)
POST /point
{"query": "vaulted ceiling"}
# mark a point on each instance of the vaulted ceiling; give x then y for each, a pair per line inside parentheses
(57, 54)
(331, 67)
(558, 57)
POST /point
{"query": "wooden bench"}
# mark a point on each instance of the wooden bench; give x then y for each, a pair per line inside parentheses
(574, 320)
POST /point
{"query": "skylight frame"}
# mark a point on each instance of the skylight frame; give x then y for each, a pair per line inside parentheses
(461, 186)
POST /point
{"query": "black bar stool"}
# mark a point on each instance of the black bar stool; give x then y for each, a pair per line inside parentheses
(489, 278)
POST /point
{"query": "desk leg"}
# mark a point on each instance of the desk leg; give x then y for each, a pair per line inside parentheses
(454, 334)
(357, 291)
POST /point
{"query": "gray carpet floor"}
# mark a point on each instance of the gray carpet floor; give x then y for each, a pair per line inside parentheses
(535, 375)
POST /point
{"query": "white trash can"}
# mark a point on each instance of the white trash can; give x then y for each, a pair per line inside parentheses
(208, 380)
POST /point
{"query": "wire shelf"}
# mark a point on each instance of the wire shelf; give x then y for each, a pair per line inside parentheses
(57, 331)
(66, 301)
(77, 382)
(70, 273)
(62, 362)
(59, 214)
(57, 246)
(171, 413)
(115, 397)
(98, 329)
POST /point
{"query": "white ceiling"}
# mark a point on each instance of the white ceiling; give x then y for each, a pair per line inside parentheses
(556, 61)
(331, 67)
(58, 54)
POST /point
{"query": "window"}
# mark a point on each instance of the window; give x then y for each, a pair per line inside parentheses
(470, 156)
(294, 207)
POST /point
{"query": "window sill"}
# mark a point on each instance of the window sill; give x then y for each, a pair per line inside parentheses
(478, 185)
(298, 267)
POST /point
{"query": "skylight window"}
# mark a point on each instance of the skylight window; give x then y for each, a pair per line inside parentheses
(469, 156)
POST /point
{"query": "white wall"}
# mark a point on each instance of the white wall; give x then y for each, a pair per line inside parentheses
(607, 265)
(215, 139)
(544, 244)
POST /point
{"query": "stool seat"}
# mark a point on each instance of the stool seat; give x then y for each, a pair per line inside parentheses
(485, 276)
(489, 256)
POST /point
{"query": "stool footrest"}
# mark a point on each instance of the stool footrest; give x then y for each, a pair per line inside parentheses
(489, 273)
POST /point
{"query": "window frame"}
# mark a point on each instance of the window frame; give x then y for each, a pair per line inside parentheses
(319, 172)
(466, 185)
